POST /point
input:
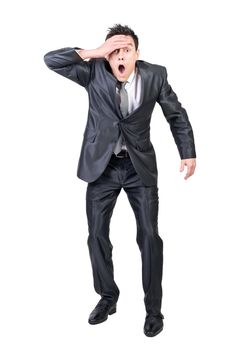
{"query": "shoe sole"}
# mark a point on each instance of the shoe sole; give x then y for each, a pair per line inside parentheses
(111, 312)
(153, 334)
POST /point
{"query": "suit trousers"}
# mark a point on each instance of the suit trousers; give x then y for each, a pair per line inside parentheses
(101, 196)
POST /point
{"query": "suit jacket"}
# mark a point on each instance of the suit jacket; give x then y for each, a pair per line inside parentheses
(105, 122)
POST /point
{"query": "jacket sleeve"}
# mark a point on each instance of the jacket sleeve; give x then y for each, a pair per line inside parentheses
(177, 117)
(69, 64)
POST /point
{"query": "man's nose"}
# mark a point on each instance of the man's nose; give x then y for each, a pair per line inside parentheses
(121, 54)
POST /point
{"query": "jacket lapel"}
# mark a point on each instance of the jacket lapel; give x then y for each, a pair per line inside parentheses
(111, 83)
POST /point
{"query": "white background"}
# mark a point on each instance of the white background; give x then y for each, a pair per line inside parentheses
(46, 279)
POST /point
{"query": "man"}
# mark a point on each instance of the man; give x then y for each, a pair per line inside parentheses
(117, 153)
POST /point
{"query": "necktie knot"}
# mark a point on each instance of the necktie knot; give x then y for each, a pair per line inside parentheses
(121, 84)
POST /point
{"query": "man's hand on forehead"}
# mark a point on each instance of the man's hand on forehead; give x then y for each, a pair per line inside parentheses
(115, 42)
(120, 41)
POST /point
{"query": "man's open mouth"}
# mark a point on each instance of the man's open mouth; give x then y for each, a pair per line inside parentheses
(121, 68)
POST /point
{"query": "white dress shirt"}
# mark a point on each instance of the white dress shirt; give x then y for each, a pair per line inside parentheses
(133, 88)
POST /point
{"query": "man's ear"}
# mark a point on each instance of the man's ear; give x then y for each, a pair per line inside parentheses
(138, 53)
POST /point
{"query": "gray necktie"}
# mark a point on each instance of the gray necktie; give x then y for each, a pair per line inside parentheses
(124, 110)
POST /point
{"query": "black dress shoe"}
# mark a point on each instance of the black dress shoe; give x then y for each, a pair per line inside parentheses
(153, 324)
(100, 314)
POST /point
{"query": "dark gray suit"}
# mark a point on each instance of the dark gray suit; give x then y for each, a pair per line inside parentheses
(104, 117)
(106, 174)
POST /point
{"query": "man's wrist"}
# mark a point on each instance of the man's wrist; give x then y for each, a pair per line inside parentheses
(85, 54)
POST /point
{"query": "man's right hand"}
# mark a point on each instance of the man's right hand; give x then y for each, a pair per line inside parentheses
(110, 45)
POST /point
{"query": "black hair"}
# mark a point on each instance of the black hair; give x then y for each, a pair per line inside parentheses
(124, 30)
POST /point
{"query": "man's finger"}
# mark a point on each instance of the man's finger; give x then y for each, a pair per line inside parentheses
(120, 36)
(187, 175)
(190, 171)
(119, 40)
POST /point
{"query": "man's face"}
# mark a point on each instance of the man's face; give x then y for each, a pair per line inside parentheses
(123, 61)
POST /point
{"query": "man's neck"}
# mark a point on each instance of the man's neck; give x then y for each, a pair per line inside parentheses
(131, 76)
